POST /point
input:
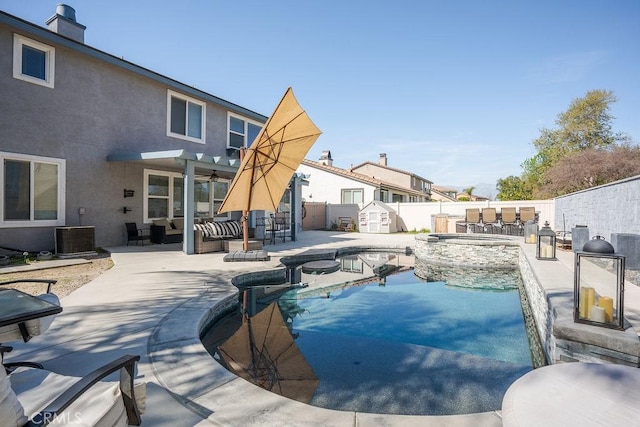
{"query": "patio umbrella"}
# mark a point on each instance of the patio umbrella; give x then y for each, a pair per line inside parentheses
(263, 352)
(270, 162)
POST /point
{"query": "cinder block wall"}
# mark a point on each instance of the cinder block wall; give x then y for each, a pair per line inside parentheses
(606, 209)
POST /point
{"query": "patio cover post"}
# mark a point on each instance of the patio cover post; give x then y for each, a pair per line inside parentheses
(189, 207)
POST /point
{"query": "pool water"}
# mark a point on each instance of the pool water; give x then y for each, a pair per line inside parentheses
(400, 346)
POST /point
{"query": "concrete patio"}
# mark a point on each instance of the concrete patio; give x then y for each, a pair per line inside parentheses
(152, 302)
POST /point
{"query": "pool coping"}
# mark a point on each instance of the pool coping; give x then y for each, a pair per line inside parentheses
(182, 365)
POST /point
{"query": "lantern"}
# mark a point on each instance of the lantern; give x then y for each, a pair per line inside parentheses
(546, 244)
(530, 231)
(598, 294)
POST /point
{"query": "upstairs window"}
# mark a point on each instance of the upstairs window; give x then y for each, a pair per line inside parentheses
(33, 61)
(242, 132)
(185, 117)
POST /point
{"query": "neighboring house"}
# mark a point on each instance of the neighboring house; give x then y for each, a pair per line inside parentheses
(443, 194)
(87, 138)
(398, 177)
(334, 185)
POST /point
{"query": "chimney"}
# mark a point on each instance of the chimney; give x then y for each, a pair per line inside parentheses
(325, 158)
(64, 23)
(383, 159)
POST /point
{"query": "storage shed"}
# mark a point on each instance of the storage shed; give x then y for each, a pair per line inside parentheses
(377, 217)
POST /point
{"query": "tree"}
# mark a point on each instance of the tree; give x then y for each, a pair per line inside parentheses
(585, 125)
(512, 188)
(591, 167)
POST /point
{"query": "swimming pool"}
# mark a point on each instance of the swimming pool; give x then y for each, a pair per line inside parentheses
(391, 344)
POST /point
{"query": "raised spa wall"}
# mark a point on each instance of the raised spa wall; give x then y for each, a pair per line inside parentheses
(550, 305)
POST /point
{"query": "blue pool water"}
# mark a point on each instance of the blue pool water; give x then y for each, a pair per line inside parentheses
(411, 347)
(405, 347)
(411, 311)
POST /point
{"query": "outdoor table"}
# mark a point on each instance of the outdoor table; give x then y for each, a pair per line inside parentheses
(16, 307)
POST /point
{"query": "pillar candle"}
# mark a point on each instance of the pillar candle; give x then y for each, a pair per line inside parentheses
(584, 301)
(532, 238)
(597, 314)
(607, 304)
(591, 300)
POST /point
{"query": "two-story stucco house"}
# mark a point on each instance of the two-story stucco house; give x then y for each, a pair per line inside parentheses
(398, 177)
(90, 139)
(331, 184)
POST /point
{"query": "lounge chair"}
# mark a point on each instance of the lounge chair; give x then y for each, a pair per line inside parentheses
(36, 397)
(527, 214)
(490, 220)
(472, 219)
(509, 220)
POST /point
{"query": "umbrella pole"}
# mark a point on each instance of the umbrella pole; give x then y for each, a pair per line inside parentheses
(245, 215)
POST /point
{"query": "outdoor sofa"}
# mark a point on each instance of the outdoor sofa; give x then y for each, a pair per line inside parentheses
(209, 236)
(167, 231)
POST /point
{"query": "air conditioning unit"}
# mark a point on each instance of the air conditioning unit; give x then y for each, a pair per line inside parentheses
(75, 240)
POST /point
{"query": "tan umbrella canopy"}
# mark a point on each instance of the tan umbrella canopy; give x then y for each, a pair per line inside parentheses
(270, 162)
(264, 353)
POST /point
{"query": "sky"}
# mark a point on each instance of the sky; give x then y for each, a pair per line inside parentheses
(453, 91)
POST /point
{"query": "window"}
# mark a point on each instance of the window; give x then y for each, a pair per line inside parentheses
(220, 189)
(33, 61)
(185, 117)
(32, 190)
(384, 196)
(351, 196)
(164, 196)
(242, 132)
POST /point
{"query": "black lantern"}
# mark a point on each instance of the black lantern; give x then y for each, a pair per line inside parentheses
(546, 244)
(530, 231)
(598, 294)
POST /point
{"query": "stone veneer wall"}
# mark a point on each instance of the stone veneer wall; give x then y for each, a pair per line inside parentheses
(539, 306)
(462, 250)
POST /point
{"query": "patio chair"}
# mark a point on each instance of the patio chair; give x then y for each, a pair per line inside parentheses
(36, 397)
(268, 227)
(527, 214)
(135, 234)
(509, 220)
(281, 221)
(30, 328)
(490, 220)
(472, 219)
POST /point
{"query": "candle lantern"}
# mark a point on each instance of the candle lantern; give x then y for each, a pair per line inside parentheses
(598, 292)
(530, 231)
(546, 243)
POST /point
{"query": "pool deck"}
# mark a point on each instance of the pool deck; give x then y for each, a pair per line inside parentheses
(152, 302)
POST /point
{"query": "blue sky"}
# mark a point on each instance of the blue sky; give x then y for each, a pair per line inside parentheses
(454, 91)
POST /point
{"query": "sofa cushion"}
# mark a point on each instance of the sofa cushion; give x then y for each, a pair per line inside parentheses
(164, 222)
(236, 228)
(101, 405)
(178, 223)
(11, 411)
